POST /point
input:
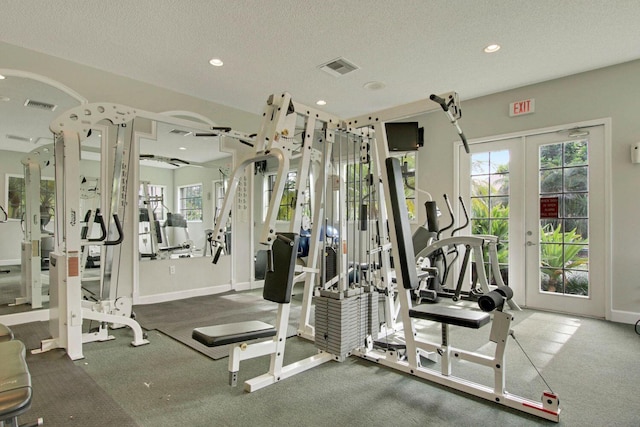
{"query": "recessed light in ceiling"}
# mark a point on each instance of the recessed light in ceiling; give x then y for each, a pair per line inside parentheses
(321, 102)
(216, 62)
(2, 77)
(182, 148)
(492, 48)
(374, 85)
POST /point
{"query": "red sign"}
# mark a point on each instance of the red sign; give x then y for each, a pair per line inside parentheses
(549, 207)
(519, 108)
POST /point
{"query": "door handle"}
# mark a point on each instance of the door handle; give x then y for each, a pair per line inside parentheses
(530, 243)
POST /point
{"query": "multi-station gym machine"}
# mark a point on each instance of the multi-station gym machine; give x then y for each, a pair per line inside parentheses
(346, 294)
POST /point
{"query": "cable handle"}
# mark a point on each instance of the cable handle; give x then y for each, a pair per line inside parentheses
(445, 107)
(103, 228)
(466, 217)
(451, 215)
(435, 98)
(120, 238)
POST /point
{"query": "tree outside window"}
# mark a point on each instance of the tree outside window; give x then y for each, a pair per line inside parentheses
(16, 198)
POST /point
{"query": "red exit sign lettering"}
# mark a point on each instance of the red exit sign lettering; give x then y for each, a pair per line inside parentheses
(519, 108)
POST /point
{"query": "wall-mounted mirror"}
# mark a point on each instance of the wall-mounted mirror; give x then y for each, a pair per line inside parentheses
(28, 103)
(183, 175)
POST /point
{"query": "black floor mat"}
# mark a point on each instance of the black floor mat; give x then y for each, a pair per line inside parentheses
(177, 319)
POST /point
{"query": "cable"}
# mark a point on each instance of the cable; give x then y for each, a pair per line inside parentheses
(530, 361)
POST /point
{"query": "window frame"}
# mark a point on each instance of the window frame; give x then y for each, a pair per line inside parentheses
(181, 210)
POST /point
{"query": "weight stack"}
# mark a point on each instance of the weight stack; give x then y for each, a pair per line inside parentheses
(342, 325)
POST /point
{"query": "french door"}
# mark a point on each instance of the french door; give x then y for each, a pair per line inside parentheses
(544, 196)
(565, 222)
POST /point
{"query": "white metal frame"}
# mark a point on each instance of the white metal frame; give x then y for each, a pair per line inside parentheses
(67, 309)
(548, 406)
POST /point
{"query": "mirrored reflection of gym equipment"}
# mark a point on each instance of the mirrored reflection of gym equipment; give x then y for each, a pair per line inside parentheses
(113, 305)
(161, 240)
(37, 242)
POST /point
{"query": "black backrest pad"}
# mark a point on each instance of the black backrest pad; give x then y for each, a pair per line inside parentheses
(407, 261)
(278, 283)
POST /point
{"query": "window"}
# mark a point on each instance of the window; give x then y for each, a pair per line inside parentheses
(288, 201)
(16, 198)
(190, 202)
(490, 202)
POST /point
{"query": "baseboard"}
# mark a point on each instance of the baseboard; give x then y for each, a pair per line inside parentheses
(624, 316)
(173, 296)
(246, 286)
(25, 317)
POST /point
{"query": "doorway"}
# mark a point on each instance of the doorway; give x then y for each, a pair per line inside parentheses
(544, 195)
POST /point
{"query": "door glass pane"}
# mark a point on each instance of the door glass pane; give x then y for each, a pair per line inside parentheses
(490, 203)
(479, 185)
(564, 221)
(550, 181)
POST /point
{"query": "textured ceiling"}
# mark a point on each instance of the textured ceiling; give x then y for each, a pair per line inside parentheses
(416, 47)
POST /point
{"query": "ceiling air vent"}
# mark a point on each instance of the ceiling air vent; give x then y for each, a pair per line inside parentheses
(179, 132)
(20, 138)
(339, 67)
(40, 105)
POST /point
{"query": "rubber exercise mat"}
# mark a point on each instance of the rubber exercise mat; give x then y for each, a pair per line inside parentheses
(178, 319)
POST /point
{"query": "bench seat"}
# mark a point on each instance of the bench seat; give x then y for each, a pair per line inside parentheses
(15, 380)
(450, 315)
(231, 333)
(5, 333)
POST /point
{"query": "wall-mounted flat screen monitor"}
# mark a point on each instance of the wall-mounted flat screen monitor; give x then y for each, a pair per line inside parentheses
(407, 136)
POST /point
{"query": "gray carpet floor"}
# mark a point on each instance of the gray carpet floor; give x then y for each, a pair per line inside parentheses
(591, 364)
(63, 393)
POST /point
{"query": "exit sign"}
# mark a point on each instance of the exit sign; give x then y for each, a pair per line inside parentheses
(519, 108)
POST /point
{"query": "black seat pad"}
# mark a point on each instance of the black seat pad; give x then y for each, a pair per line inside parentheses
(15, 380)
(231, 333)
(450, 315)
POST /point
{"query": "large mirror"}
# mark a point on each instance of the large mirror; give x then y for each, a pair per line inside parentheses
(183, 177)
(28, 104)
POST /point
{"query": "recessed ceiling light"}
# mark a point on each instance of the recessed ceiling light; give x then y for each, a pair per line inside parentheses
(321, 102)
(216, 62)
(182, 148)
(492, 48)
(374, 85)
(2, 77)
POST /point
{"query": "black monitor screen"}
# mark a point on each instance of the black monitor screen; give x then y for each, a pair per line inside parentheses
(404, 136)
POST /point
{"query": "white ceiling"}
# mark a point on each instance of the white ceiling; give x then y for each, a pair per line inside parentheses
(24, 128)
(415, 47)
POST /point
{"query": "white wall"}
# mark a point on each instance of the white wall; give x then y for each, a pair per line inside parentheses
(609, 92)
